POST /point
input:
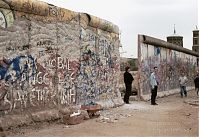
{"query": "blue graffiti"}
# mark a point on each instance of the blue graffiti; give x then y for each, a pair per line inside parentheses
(12, 70)
(156, 51)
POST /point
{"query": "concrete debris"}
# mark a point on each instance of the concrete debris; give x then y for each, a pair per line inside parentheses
(113, 115)
(106, 120)
(66, 126)
(73, 120)
(85, 114)
(75, 114)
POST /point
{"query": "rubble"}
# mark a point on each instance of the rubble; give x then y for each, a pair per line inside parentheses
(113, 115)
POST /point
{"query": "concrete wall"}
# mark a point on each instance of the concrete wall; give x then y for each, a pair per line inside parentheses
(171, 61)
(52, 57)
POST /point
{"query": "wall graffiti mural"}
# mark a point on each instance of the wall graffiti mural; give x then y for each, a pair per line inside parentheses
(171, 64)
(15, 77)
(67, 78)
(49, 59)
(12, 70)
(97, 68)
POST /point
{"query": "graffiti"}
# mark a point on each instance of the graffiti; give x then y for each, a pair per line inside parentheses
(42, 78)
(6, 16)
(54, 11)
(68, 38)
(67, 79)
(67, 89)
(15, 75)
(45, 43)
(3, 23)
(41, 94)
(63, 63)
(18, 48)
(49, 46)
(41, 82)
(156, 51)
(88, 36)
(66, 73)
(53, 75)
(169, 68)
(59, 63)
(13, 70)
(97, 68)
(33, 7)
(105, 47)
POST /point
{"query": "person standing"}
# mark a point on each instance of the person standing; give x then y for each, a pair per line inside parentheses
(183, 81)
(128, 79)
(196, 82)
(154, 86)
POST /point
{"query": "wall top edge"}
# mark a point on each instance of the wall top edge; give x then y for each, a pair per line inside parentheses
(44, 9)
(161, 43)
(105, 25)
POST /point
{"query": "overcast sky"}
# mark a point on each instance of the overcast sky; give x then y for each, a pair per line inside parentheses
(155, 18)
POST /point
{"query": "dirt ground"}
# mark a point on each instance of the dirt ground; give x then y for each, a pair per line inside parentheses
(171, 118)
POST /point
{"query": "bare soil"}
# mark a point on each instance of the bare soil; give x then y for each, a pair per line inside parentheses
(173, 117)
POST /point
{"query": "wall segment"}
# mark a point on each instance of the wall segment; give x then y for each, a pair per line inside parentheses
(52, 57)
(171, 60)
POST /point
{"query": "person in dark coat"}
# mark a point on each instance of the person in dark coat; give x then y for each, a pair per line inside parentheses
(196, 82)
(128, 79)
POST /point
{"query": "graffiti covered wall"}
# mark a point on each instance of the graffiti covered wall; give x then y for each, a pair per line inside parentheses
(52, 57)
(171, 62)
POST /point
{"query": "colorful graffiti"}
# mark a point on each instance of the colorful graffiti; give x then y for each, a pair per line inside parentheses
(14, 69)
(98, 67)
(53, 60)
(15, 75)
(171, 64)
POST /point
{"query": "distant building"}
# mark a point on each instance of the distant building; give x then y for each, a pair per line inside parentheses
(175, 39)
(195, 46)
(131, 62)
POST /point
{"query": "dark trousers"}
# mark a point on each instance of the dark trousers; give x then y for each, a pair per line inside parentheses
(154, 94)
(127, 93)
(183, 91)
(197, 90)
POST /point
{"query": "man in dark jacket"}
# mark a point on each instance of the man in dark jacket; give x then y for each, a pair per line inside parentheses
(128, 79)
(196, 81)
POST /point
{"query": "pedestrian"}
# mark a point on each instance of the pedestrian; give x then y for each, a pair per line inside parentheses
(128, 79)
(154, 85)
(183, 81)
(196, 82)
